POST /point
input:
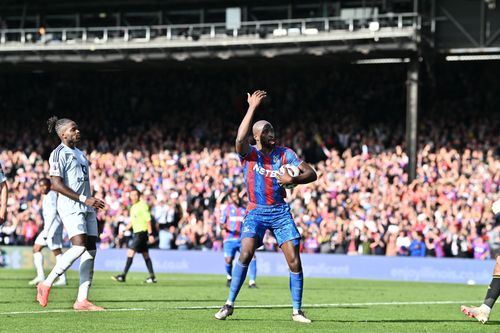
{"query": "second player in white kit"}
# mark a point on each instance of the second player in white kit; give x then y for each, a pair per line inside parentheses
(51, 235)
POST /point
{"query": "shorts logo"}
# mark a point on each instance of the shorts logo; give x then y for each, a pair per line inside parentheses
(81, 228)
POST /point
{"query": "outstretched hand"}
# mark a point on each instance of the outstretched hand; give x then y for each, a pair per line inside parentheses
(256, 98)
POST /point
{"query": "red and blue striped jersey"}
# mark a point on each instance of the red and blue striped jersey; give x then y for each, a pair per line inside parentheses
(260, 173)
(232, 218)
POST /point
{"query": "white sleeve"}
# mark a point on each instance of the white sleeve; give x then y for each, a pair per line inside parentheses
(56, 163)
(49, 209)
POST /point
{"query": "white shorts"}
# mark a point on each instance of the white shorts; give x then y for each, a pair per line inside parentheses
(80, 223)
(51, 238)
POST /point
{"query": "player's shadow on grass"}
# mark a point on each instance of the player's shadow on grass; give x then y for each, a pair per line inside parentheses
(258, 307)
(395, 321)
(350, 307)
(261, 307)
(161, 300)
(398, 321)
(106, 285)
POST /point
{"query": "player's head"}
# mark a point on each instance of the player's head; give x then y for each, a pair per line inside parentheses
(45, 185)
(66, 129)
(263, 133)
(234, 198)
(135, 195)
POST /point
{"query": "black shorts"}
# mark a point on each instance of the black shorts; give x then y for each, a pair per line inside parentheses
(140, 242)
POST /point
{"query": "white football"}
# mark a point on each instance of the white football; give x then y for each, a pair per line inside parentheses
(292, 170)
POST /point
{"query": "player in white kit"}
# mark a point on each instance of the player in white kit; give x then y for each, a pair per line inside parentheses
(69, 172)
(4, 190)
(51, 235)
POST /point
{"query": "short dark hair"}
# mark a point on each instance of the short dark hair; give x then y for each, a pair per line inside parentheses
(135, 189)
(46, 181)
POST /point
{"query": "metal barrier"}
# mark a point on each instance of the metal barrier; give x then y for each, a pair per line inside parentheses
(217, 31)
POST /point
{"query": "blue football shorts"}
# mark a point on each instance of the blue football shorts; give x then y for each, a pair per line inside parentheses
(276, 218)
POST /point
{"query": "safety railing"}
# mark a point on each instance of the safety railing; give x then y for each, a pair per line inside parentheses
(208, 31)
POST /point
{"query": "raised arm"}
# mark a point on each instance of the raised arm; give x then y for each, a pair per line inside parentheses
(242, 144)
(59, 186)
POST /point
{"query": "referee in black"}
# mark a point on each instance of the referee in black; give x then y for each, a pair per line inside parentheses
(140, 223)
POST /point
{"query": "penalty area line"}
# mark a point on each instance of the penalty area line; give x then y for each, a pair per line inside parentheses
(66, 311)
(327, 305)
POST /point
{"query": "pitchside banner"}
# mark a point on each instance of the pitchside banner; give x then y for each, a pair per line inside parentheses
(273, 264)
(22, 257)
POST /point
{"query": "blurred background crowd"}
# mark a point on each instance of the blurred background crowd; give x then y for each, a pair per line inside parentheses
(170, 133)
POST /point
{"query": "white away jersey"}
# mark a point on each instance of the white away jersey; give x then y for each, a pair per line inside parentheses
(72, 166)
(49, 211)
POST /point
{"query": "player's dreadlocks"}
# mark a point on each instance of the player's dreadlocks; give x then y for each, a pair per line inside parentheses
(57, 125)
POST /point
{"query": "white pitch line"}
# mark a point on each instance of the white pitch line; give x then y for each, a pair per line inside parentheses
(66, 311)
(327, 305)
(264, 306)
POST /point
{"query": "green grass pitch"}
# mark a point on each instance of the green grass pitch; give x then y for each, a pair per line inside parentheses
(187, 303)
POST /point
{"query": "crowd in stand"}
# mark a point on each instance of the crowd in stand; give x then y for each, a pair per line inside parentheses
(171, 136)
